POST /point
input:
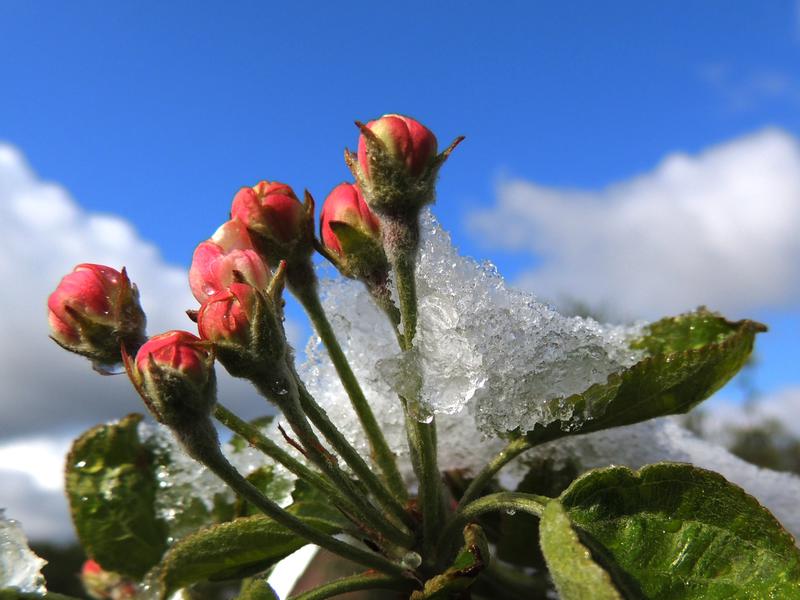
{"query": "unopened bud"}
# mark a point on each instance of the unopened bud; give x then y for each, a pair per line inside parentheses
(228, 316)
(174, 374)
(106, 585)
(352, 234)
(412, 145)
(396, 165)
(94, 311)
(282, 224)
(228, 257)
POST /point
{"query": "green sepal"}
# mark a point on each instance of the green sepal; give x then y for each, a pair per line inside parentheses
(575, 573)
(471, 560)
(233, 550)
(111, 487)
(690, 357)
(674, 531)
(362, 254)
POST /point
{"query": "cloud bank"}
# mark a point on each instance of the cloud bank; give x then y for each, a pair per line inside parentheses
(718, 228)
(49, 395)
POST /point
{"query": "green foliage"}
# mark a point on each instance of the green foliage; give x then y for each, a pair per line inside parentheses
(233, 550)
(111, 486)
(576, 575)
(673, 531)
(689, 358)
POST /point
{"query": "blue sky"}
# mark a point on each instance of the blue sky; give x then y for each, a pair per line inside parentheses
(156, 113)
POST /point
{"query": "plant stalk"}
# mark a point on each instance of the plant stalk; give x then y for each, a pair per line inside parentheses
(514, 448)
(381, 453)
(354, 583)
(202, 444)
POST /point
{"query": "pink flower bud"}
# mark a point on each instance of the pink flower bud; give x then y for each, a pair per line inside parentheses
(272, 210)
(406, 140)
(94, 310)
(228, 316)
(223, 259)
(345, 204)
(177, 352)
(106, 585)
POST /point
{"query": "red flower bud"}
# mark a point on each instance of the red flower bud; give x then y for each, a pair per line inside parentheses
(406, 140)
(106, 585)
(177, 352)
(345, 204)
(228, 316)
(223, 259)
(272, 210)
(94, 310)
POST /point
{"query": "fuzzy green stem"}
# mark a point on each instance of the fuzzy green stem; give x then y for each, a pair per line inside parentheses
(289, 403)
(353, 459)
(354, 583)
(401, 240)
(382, 454)
(202, 444)
(258, 440)
(513, 501)
(513, 449)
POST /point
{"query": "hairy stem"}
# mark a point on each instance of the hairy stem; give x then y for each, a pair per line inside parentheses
(514, 448)
(202, 444)
(511, 501)
(353, 459)
(381, 452)
(258, 440)
(354, 583)
(401, 240)
(290, 404)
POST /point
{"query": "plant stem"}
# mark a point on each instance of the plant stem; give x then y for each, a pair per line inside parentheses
(289, 403)
(401, 241)
(382, 454)
(255, 438)
(353, 459)
(354, 583)
(528, 503)
(514, 448)
(202, 444)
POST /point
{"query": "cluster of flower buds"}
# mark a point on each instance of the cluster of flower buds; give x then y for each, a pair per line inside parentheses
(95, 312)
(397, 164)
(174, 374)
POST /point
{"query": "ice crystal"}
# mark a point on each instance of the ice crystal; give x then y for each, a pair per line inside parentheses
(485, 360)
(20, 568)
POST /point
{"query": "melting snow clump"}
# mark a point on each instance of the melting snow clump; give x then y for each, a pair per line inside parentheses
(489, 356)
(19, 567)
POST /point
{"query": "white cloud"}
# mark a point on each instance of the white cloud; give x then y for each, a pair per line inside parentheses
(718, 228)
(742, 90)
(49, 395)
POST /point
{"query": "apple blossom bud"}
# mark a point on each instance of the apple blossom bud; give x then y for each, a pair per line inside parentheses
(227, 257)
(396, 165)
(228, 316)
(282, 224)
(174, 374)
(352, 234)
(93, 311)
(406, 140)
(106, 585)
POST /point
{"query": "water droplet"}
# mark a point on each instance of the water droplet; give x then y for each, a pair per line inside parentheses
(511, 511)
(411, 560)
(108, 369)
(80, 464)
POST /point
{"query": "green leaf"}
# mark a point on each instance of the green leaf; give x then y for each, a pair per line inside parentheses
(468, 564)
(233, 550)
(576, 575)
(689, 358)
(674, 531)
(257, 589)
(111, 486)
